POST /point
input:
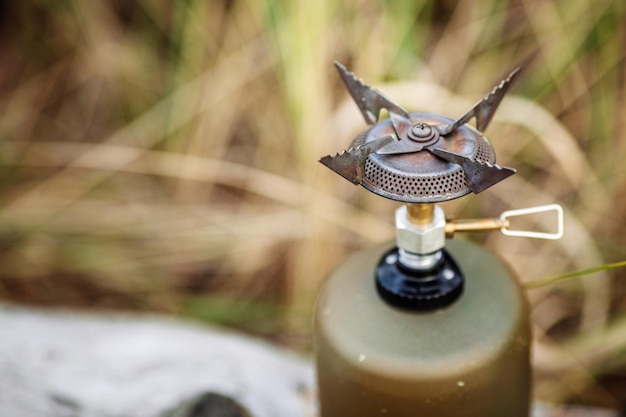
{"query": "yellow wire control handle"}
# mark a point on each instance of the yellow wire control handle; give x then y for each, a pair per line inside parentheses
(503, 223)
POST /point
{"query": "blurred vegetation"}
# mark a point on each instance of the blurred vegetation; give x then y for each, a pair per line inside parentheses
(162, 156)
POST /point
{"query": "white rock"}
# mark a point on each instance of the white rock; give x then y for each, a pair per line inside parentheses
(64, 364)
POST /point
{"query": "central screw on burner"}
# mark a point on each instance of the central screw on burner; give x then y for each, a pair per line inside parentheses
(422, 132)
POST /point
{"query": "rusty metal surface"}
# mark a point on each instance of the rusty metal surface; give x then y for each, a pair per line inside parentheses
(350, 164)
(419, 157)
(484, 110)
(422, 177)
(369, 100)
(479, 175)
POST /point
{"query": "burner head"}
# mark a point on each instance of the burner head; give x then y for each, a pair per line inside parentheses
(422, 177)
(420, 157)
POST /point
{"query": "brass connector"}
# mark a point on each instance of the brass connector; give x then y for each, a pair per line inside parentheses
(421, 214)
(474, 225)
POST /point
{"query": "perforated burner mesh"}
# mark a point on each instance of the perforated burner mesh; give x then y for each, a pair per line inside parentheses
(485, 152)
(412, 186)
(421, 177)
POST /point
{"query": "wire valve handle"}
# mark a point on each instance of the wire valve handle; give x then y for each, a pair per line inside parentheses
(534, 210)
(503, 223)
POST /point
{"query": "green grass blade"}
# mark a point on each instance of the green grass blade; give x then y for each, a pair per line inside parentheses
(570, 275)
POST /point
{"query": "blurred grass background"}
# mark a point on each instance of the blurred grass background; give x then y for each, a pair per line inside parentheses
(162, 156)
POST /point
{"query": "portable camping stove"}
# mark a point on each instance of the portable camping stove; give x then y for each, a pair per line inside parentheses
(421, 159)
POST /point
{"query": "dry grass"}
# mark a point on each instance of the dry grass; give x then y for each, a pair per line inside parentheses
(163, 156)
